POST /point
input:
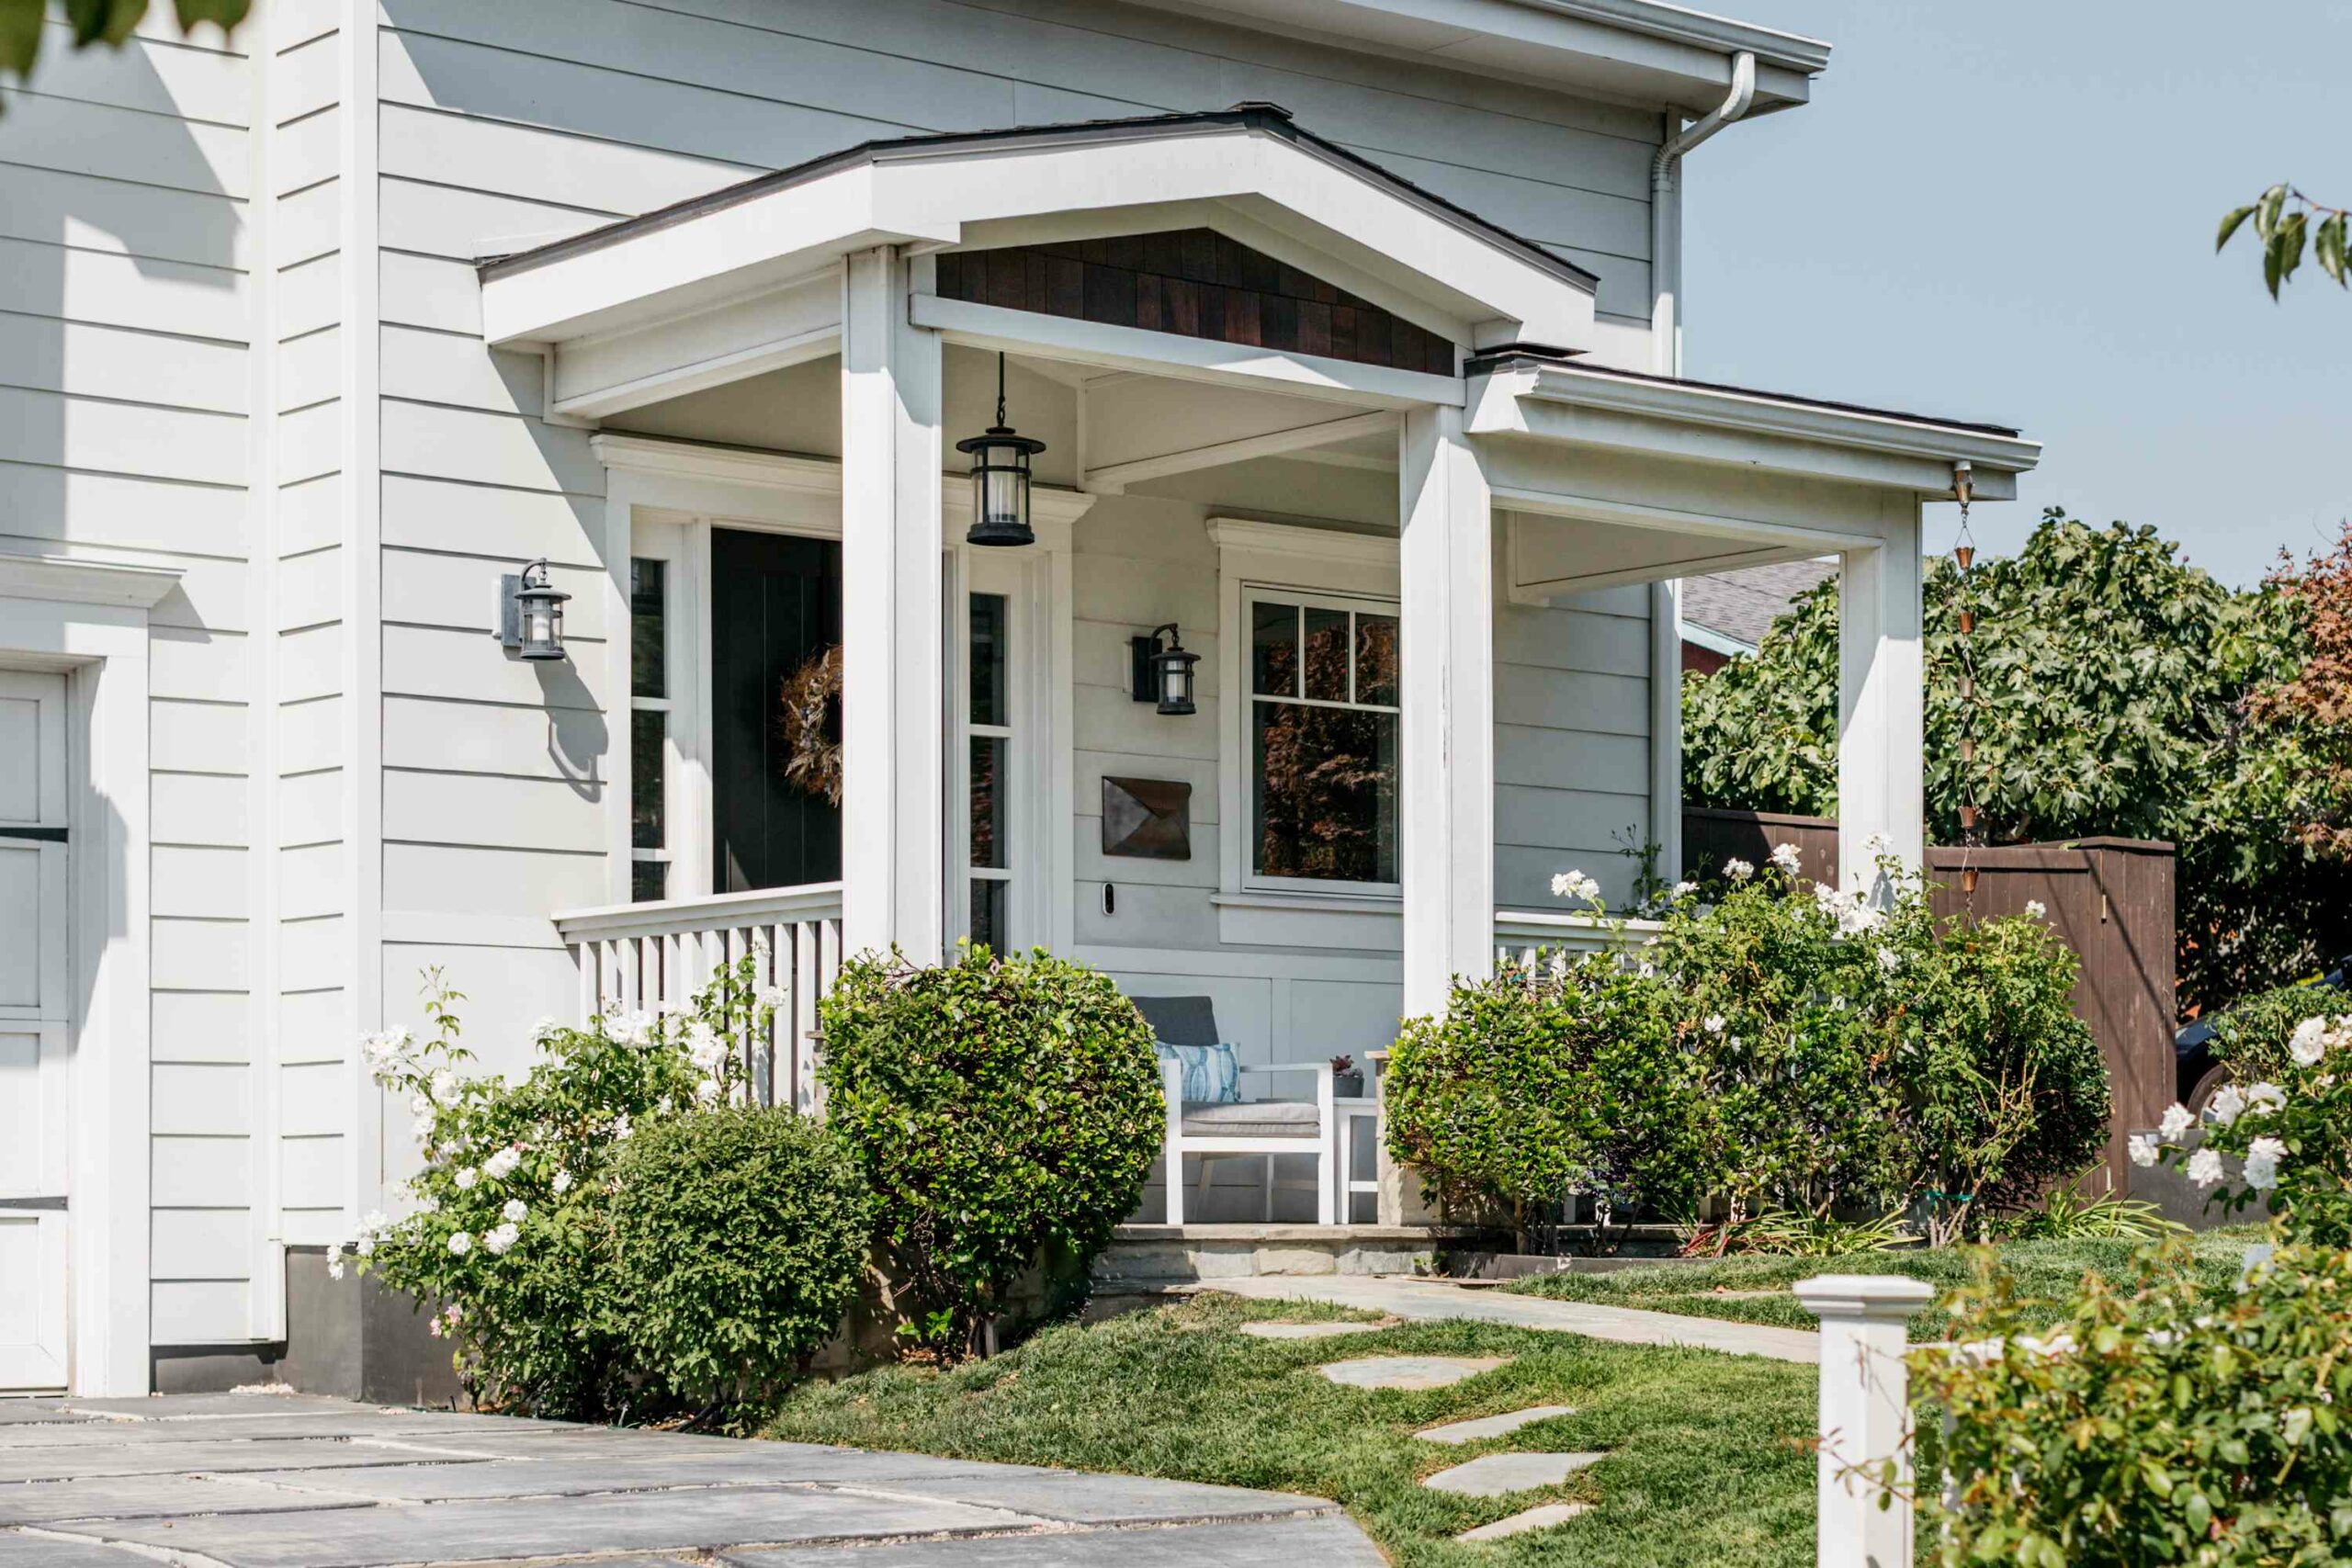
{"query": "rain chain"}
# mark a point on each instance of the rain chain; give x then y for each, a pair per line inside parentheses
(1964, 555)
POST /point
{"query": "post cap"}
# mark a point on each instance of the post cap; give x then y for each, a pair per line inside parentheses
(1880, 1297)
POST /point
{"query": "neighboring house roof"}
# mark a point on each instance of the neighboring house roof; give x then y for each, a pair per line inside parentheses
(1731, 611)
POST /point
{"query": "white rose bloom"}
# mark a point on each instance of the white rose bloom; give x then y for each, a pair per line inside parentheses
(1714, 1023)
(1878, 844)
(1683, 889)
(334, 1262)
(375, 1224)
(707, 1090)
(2228, 1105)
(2176, 1123)
(2309, 1043)
(445, 1085)
(2035, 908)
(2205, 1168)
(630, 1028)
(2144, 1150)
(422, 1129)
(772, 997)
(460, 1243)
(562, 1182)
(501, 1238)
(466, 1177)
(1576, 885)
(500, 1165)
(544, 1028)
(1889, 960)
(2266, 1097)
(1787, 857)
(2262, 1158)
(516, 1210)
(1738, 870)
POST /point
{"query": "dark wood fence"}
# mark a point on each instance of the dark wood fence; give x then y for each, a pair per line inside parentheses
(2110, 898)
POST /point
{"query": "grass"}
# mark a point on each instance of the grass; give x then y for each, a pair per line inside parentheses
(1706, 1463)
(1720, 1287)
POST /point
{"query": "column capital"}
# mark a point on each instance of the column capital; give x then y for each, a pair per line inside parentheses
(1868, 1298)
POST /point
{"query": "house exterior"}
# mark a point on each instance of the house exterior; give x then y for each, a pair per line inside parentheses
(1351, 337)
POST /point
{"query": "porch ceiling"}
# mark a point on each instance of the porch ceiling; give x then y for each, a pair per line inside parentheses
(743, 280)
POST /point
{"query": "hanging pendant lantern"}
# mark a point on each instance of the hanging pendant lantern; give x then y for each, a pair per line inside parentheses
(999, 478)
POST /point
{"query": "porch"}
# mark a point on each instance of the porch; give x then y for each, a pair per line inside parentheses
(1292, 410)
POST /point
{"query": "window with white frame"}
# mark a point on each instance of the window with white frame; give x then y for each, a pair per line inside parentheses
(988, 729)
(1320, 737)
(649, 708)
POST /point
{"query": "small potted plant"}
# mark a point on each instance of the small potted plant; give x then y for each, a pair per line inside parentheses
(1347, 1083)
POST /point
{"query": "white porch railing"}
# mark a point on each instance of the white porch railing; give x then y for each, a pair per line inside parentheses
(1520, 935)
(659, 955)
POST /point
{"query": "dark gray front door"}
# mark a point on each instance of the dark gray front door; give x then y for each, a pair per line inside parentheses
(775, 603)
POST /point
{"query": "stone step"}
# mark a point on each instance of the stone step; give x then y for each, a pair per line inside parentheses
(1492, 1426)
(1542, 1516)
(1498, 1475)
(1410, 1371)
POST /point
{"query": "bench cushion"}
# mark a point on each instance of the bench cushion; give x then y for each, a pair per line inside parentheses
(1252, 1119)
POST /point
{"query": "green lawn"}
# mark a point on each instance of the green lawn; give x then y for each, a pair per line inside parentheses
(1756, 1290)
(1706, 1465)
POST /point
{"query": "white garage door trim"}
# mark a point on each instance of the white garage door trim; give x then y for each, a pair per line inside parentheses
(87, 617)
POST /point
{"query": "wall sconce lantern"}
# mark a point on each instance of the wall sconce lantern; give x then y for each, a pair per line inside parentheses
(530, 614)
(999, 478)
(1164, 674)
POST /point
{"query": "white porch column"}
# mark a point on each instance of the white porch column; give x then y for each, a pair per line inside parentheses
(1881, 705)
(1446, 794)
(893, 639)
(1865, 1423)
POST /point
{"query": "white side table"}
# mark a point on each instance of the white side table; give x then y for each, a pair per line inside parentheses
(1347, 1115)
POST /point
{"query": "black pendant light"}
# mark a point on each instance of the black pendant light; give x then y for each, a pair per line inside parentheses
(999, 478)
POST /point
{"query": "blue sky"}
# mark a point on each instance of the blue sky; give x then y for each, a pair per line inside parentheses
(2005, 209)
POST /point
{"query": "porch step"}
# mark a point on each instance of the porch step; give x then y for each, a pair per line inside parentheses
(1161, 1255)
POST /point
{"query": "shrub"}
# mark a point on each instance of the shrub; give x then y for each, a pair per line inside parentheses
(2291, 1138)
(738, 1241)
(1791, 1048)
(2250, 1038)
(510, 1227)
(1005, 1112)
(2157, 1423)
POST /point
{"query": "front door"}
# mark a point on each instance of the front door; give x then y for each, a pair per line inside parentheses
(35, 1115)
(775, 605)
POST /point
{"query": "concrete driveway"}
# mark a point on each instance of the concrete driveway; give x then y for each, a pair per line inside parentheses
(258, 1481)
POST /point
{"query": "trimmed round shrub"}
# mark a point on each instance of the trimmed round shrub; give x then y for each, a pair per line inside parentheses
(1005, 1112)
(1536, 1084)
(739, 1240)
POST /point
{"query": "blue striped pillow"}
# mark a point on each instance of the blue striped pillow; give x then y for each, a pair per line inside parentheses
(1212, 1073)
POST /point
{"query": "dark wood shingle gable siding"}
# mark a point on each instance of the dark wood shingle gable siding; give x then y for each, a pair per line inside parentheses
(1196, 283)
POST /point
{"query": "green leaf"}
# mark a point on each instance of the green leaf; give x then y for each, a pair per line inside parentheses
(110, 22)
(225, 14)
(2230, 221)
(2327, 248)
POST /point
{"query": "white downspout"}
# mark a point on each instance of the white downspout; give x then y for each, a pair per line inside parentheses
(1666, 214)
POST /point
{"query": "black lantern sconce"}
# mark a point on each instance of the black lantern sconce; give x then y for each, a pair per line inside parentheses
(999, 478)
(530, 614)
(1164, 674)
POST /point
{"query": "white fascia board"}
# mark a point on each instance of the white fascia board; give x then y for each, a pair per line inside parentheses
(1563, 404)
(694, 259)
(1714, 641)
(1186, 358)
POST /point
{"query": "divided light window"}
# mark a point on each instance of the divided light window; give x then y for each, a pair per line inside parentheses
(989, 730)
(1323, 720)
(648, 732)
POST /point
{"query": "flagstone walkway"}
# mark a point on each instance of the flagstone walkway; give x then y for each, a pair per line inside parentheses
(228, 1480)
(1423, 1300)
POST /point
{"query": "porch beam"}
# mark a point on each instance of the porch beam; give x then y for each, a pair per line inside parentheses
(1446, 789)
(1115, 478)
(999, 328)
(604, 373)
(893, 660)
(1882, 706)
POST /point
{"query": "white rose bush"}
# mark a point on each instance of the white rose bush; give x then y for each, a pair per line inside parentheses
(507, 1236)
(2158, 1420)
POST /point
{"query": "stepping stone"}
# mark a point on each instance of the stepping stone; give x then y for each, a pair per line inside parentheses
(1410, 1371)
(1497, 1475)
(1310, 1330)
(1492, 1426)
(1542, 1517)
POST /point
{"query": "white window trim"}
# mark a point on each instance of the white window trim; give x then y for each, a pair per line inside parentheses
(1271, 558)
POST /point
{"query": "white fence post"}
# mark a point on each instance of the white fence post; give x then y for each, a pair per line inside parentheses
(1865, 1416)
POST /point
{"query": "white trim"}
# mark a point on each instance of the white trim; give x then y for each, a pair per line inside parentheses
(1276, 558)
(999, 328)
(1236, 964)
(1263, 916)
(1666, 727)
(103, 646)
(1297, 441)
(1714, 641)
(73, 575)
(766, 906)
